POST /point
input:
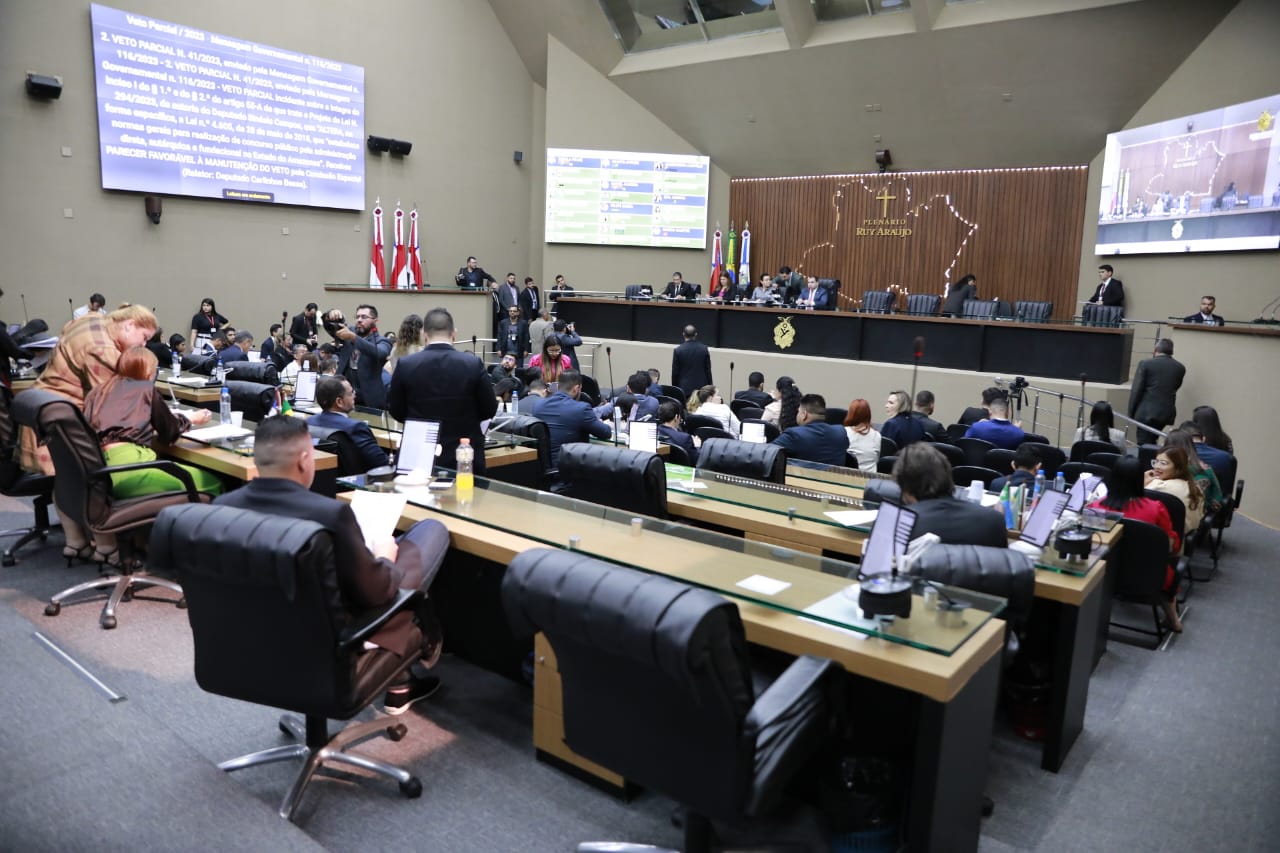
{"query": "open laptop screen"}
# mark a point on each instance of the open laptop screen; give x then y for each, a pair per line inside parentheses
(889, 538)
(1080, 491)
(304, 388)
(1044, 517)
(418, 446)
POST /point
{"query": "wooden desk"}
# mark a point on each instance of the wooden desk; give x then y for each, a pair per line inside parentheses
(811, 537)
(953, 696)
(225, 462)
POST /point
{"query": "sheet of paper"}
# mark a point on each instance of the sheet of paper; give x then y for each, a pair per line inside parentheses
(763, 585)
(643, 436)
(377, 514)
(216, 432)
(852, 517)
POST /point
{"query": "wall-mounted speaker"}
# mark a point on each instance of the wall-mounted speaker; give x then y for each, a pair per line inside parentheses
(884, 159)
(151, 203)
(43, 86)
(378, 144)
(518, 156)
(400, 147)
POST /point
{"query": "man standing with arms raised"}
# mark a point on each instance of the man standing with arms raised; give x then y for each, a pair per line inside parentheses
(363, 354)
(442, 384)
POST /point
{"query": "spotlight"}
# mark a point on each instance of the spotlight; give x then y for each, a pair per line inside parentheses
(400, 148)
(379, 144)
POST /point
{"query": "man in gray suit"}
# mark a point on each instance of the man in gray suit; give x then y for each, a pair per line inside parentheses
(1153, 398)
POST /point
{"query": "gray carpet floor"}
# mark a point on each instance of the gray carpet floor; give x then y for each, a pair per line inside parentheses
(1180, 749)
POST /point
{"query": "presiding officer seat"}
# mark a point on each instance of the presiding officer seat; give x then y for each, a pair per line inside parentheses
(766, 462)
(658, 687)
(629, 480)
(1032, 311)
(924, 304)
(877, 302)
(269, 626)
(82, 490)
(979, 309)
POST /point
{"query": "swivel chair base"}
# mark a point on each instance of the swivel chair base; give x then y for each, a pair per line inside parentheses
(40, 530)
(122, 588)
(316, 749)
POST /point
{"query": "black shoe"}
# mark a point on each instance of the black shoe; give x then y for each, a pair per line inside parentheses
(400, 699)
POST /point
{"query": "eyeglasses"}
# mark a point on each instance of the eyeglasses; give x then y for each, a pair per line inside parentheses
(1160, 463)
(364, 316)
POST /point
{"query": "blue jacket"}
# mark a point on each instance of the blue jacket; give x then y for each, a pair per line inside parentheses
(373, 455)
(816, 442)
(1000, 433)
(903, 429)
(569, 420)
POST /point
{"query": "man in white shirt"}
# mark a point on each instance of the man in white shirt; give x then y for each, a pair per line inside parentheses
(97, 305)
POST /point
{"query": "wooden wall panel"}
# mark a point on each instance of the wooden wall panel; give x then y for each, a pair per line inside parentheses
(1017, 230)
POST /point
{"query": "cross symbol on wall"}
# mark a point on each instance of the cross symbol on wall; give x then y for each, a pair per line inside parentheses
(885, 198)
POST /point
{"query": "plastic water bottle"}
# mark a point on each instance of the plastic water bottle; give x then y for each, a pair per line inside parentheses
(466, 460)
(1038, 489)
(221, 370)
(617, 424)
(1059, 482)
(224, 406)
(177, 364)
(515, 401)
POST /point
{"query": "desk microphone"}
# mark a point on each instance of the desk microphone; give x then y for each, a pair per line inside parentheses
(1262, 315)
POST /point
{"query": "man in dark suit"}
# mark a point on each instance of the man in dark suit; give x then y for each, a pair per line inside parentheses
(924, 414)
(530, 300)
(678, 288)
(569, 419)
(367, 578)
(303, 327)
(472, 276)
(336, 397)
(789, 284)
(924, 475)
(812, 438)
(755, 393)
(691, 363)
(1206, 317)
(442, 384)
(966, 288)
(513, 336)
(1153, 398)
(239, 350)
(1110, 289)
(669, 430)
(362, 353)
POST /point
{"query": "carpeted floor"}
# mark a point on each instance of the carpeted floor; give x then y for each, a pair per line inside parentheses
(1179, 751)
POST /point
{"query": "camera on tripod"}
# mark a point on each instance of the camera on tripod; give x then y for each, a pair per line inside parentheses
(1018, 384)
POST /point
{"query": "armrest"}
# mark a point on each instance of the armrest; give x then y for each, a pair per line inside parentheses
(785, 722)
(367, 624)
(168, 466)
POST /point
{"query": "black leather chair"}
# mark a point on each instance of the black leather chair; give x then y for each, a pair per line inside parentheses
(82, 490)
(535, 428)
(695, 421)
(1102, 315)
(677, 456)
(882, 489)
(955, 432)
(658, 686)
(884, 465)
(1139, 565)
(963, 475)
(974, 449)
(1222, 519)
(676, 393)
(1071, 471)
(262, 372)
(1147, 453)
(591, 390)
(836, 415)
(629, 480)
(269, 626)
(979, 309)
(926, 304)
(954, 454)
(704, 433)
(1081, 449)
(1106, 459)
(1032, 311)
(832, 288)
(636, 291)
(1051, 458)
(1000, 459)
(995, 571)
(17, 483)
(350, 459)
(771, 430)
(253, 398)
(739, 406)
(888, 447)
(877, 302)
(197, 363)
(766, 462)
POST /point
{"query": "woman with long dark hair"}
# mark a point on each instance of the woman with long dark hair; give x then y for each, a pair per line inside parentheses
(1201, 473)
(1206, 417)
(551, 362)
(205, 322)
(786, 402)
(1125, 494)
(1102, 426)
(1171, 473)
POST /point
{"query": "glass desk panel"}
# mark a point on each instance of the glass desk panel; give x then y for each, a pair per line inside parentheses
(1050, 561)
(495, 438)
(837, 475)
(805, 585)
(791, 501)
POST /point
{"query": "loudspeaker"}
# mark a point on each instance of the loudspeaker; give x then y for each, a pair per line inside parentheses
(43, 86)
(400, 147)
(378, 144)
(518, 156)
(151, 203)
(884, 159)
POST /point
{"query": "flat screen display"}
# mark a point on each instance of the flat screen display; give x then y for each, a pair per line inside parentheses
(182, 111)
(625, 198)
(1208, 182)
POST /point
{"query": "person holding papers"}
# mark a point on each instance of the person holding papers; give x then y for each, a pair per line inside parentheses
(368, 575)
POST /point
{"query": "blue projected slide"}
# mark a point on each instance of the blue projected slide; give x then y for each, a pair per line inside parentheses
(182, 111)
(622, 198)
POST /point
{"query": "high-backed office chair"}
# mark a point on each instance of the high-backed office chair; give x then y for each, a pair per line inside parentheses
(963, 475)
(658, 686)
(1101, 315)
(832, 288)
(535, 428)
(836, 415)
(198, 363)
(253, 398)
(771, 430)
(738, 406)
(707, 432)
(766, 462)
(269, 626)
(17, 483)
(954, 454)
(676, 393)
(1071, 471)
(262, 372)
(979, 309)
(925, 304)
(695, 421)
(1081, 449)
(974, 449)
(629, 480)
(1051, 458)
(82, 490)
(677, 456)
(955, 432)
(994, 571)
(1140, 562)
(1034, 438)
(888, 447)
(636, 291)
(884, 465)
(1106, 459)
(999, 459)
(350, 459)
(877, 302)
(591, 389)
(882, 489)
(1032, 311)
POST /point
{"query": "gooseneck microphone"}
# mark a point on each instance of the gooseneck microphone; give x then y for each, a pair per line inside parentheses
(25, 318)
(71, 307)
(608, 352)
(730, 380)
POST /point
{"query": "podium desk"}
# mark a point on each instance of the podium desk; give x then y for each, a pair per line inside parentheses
(943, 680)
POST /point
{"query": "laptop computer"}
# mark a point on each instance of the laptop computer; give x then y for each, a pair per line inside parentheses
(1080, 491)
(1043, 519)
(890, 535)
(304, 392)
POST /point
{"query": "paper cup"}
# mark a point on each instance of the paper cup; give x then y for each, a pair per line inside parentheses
(237, 419)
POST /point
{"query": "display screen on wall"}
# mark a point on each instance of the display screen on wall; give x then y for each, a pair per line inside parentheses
(1208, 182)
(182, 111)
(625, 198)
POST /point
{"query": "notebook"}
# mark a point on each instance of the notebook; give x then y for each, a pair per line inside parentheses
(1044, 518)
(304, 392)
(888, 540)
(418, 446)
